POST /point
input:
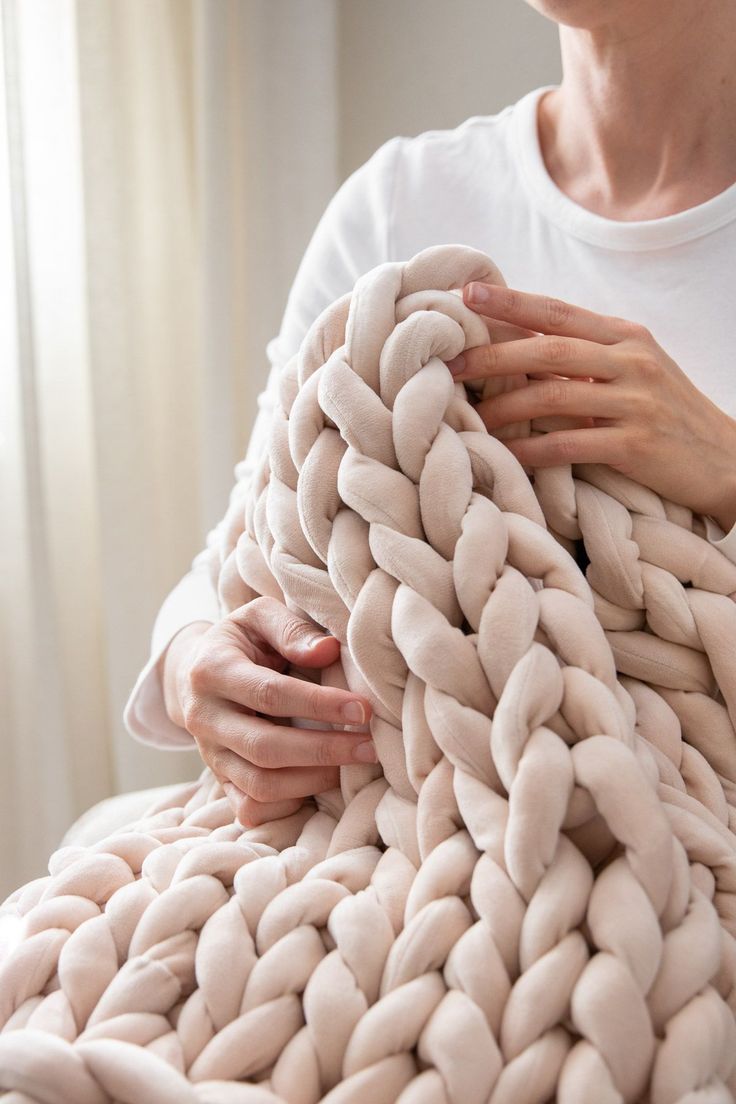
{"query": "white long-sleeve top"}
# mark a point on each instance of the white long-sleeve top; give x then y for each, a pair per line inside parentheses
(484, 184)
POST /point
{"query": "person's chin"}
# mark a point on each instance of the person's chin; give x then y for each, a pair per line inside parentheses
(585, 14)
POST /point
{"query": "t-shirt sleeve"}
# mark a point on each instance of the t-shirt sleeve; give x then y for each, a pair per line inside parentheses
(352, 236)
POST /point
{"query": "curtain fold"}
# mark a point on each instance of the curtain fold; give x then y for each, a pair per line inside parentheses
(162, 164)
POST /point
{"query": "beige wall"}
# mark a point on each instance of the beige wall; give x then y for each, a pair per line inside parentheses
(411, 65)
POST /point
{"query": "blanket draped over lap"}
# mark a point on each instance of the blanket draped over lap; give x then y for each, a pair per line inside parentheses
(532, 896)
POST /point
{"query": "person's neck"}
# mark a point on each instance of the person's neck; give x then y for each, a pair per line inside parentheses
(643, 124)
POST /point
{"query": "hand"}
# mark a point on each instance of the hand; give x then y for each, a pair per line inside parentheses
(218, 681)
(625, 402)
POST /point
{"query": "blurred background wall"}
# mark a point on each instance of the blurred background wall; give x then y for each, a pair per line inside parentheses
(162, 166)
(405, 66)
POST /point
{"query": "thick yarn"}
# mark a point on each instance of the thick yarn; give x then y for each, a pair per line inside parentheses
(532, 897)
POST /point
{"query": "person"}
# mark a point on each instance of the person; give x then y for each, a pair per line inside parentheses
(609, 204)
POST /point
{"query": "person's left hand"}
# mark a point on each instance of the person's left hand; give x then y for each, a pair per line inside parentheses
(624, 401)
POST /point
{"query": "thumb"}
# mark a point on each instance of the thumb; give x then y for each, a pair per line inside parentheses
(292, 636)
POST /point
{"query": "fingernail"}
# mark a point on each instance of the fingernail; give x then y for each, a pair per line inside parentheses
(317, 638)
(457, 365)
(353, 712)
(365, 752)
(477, 293)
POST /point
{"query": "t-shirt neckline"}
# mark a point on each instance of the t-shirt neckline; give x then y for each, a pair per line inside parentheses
(645, 234)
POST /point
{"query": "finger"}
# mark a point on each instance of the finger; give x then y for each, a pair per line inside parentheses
(602, 445)
(269, 622)
(281, 784)
(251, 813)
(553, 375)
(272, 746)
(277, 695)
(498, 332)
(254, 813)
(561, 356)
(553, 422)
(543, 313)
(551, 398)
(505, 331)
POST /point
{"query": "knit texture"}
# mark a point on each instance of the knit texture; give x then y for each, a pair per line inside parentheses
(532, 896)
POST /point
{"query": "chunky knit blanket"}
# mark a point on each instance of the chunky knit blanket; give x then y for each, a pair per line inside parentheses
(532, 896)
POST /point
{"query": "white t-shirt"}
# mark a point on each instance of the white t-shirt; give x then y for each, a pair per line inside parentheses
(484, 184)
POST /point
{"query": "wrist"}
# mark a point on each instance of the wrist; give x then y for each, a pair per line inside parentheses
(726, 519)
(720, 487)
(725, 510)
(172, 662)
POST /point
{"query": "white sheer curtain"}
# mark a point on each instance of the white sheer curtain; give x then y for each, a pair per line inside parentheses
(162, 164)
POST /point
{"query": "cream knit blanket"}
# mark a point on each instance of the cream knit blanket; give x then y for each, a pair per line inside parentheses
(532, 897)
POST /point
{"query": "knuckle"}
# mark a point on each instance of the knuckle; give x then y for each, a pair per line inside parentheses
(194, 713)
(249, 812)
(259, 750)
(263, 695)
(637, 445)
(624, 455)
(553, 393)
(556, 350)
(200, 672)
(636, 332)
(262, 786)
(262, 603)
(509, 302)
(329, 779)
(488, 356)
(324, 753)
(254, 610)
(216, 761)
(293, 631)
(647, 367)
(314, 701)
(648, 412)
(254, 813)
(625, 329)
(557, 311)
(566, 447)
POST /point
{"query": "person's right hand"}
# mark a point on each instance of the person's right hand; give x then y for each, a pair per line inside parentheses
(225, 684)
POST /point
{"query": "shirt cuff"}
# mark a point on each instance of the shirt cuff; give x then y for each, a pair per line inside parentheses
(145, 717)
(725, 543)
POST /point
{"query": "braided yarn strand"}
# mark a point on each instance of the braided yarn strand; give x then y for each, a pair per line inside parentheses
(532, 896)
